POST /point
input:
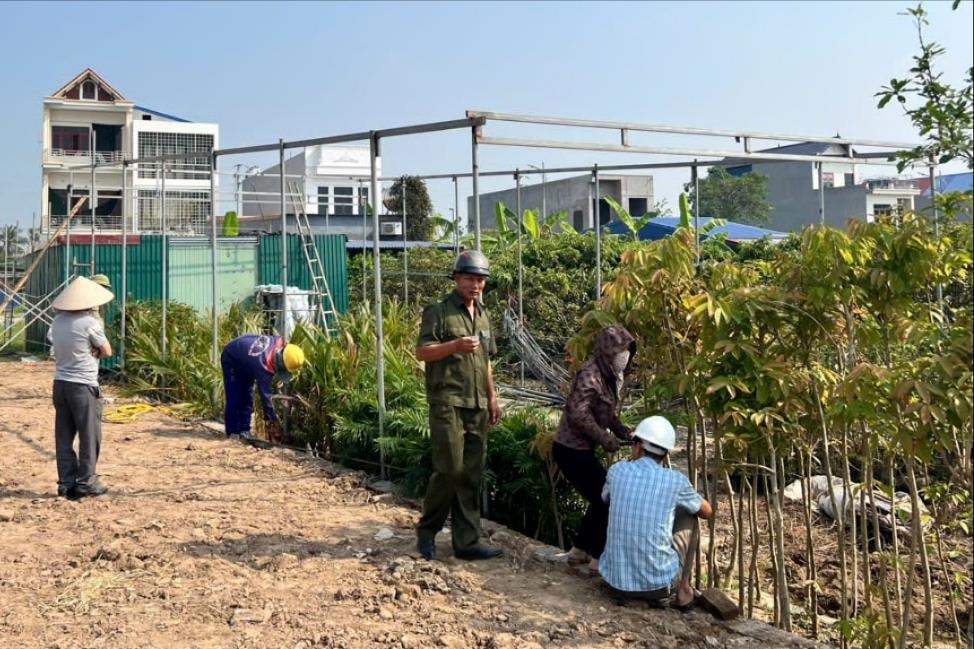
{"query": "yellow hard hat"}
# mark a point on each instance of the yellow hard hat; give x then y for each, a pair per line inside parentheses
(293, 358)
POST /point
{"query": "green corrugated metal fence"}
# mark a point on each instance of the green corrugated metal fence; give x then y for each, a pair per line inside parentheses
(242, 264)
(334, 257)
(189, 272)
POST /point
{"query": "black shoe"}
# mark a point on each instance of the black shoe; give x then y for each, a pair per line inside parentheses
(426, 548)
(78, 492)
(62, 492)
(478, 553)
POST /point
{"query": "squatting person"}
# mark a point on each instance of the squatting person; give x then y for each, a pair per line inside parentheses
(455, 343)
(653, 528)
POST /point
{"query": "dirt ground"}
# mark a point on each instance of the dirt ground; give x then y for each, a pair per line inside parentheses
(204, 542)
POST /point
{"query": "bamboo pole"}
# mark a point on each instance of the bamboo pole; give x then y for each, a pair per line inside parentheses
(40, 255)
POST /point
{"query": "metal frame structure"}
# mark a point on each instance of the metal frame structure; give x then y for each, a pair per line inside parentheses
(476, 121)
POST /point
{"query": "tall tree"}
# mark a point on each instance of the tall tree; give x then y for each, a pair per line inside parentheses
(736, 198)
(419, 207)
(941, 113)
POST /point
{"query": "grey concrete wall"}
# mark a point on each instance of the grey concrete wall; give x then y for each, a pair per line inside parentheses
(564, 194)
(264, 204)
(923, 206)
(795, 201)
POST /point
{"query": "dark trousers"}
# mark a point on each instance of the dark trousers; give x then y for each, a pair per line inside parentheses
(238, 390)
(77, 411)
(584, 472)
(458, 437)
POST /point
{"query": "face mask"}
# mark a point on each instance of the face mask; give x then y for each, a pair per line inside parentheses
(619, 363)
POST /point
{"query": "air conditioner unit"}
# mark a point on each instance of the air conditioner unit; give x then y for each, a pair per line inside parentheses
(390, 229)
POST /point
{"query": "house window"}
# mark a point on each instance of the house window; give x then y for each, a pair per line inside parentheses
(156, 144)
(882, 209)
(850, 180)
(186, 211)
(88, 90)
(903, 205)
(323, 200)
(69, 138)
(638, 206)
(828, 179)
(344, 200)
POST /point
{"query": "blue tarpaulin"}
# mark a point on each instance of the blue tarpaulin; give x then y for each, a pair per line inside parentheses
(664, 226)
(962, 182)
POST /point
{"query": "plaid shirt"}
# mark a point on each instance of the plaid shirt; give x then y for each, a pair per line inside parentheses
(642, 497)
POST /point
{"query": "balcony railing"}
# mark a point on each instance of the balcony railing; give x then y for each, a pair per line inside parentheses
(893, 183)
(81, 156)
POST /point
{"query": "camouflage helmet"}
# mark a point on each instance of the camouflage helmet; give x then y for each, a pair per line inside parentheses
(473, 262)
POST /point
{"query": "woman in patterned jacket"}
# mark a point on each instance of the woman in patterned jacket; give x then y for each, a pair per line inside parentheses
(591, 412)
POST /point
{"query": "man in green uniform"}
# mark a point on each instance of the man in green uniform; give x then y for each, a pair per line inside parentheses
(455, 343)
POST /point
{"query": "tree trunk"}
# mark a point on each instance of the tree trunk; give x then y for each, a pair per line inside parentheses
(839, 511)
(784, 603)
(811, 576)
(754, 580)
(883, 573)
(924, 556)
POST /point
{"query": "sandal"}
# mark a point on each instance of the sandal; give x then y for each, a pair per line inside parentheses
(689, 606)
(572, 559)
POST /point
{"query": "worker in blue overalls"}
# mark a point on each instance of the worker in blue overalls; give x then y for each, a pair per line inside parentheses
(253, 358)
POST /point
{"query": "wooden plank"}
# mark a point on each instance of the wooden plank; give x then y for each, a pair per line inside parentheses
(715, 602)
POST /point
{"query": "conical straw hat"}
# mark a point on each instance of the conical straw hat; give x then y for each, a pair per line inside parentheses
(82, 294)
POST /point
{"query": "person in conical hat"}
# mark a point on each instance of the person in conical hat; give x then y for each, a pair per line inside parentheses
(104, 282)
(78, 342)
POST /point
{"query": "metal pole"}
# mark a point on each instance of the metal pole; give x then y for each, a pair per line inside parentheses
(405, 247)
(165, 262)
(93, 201)
(544, 192)
(283, 330)
(237, 185)
(475, 157)
(214, 284)
(6, 264)
(456, 217)
(6, 282)
(520, 260)
(125, 248)
(380, 363)
(821, 195)
(598, 236)
(362, 206)
(68, 268)
(695, 175)
(936, 221)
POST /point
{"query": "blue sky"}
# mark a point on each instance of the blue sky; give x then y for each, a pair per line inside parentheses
(264, 71)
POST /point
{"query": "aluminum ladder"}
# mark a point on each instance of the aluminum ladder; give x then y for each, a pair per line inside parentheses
(324, 303)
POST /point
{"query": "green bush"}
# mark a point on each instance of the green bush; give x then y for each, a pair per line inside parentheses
(186, 372)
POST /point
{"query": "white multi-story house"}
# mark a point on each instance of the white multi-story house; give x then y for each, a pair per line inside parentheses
(89, 119)
(331, 182)
(793, 188)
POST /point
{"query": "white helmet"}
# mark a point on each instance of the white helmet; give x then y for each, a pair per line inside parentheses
(657, 435)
